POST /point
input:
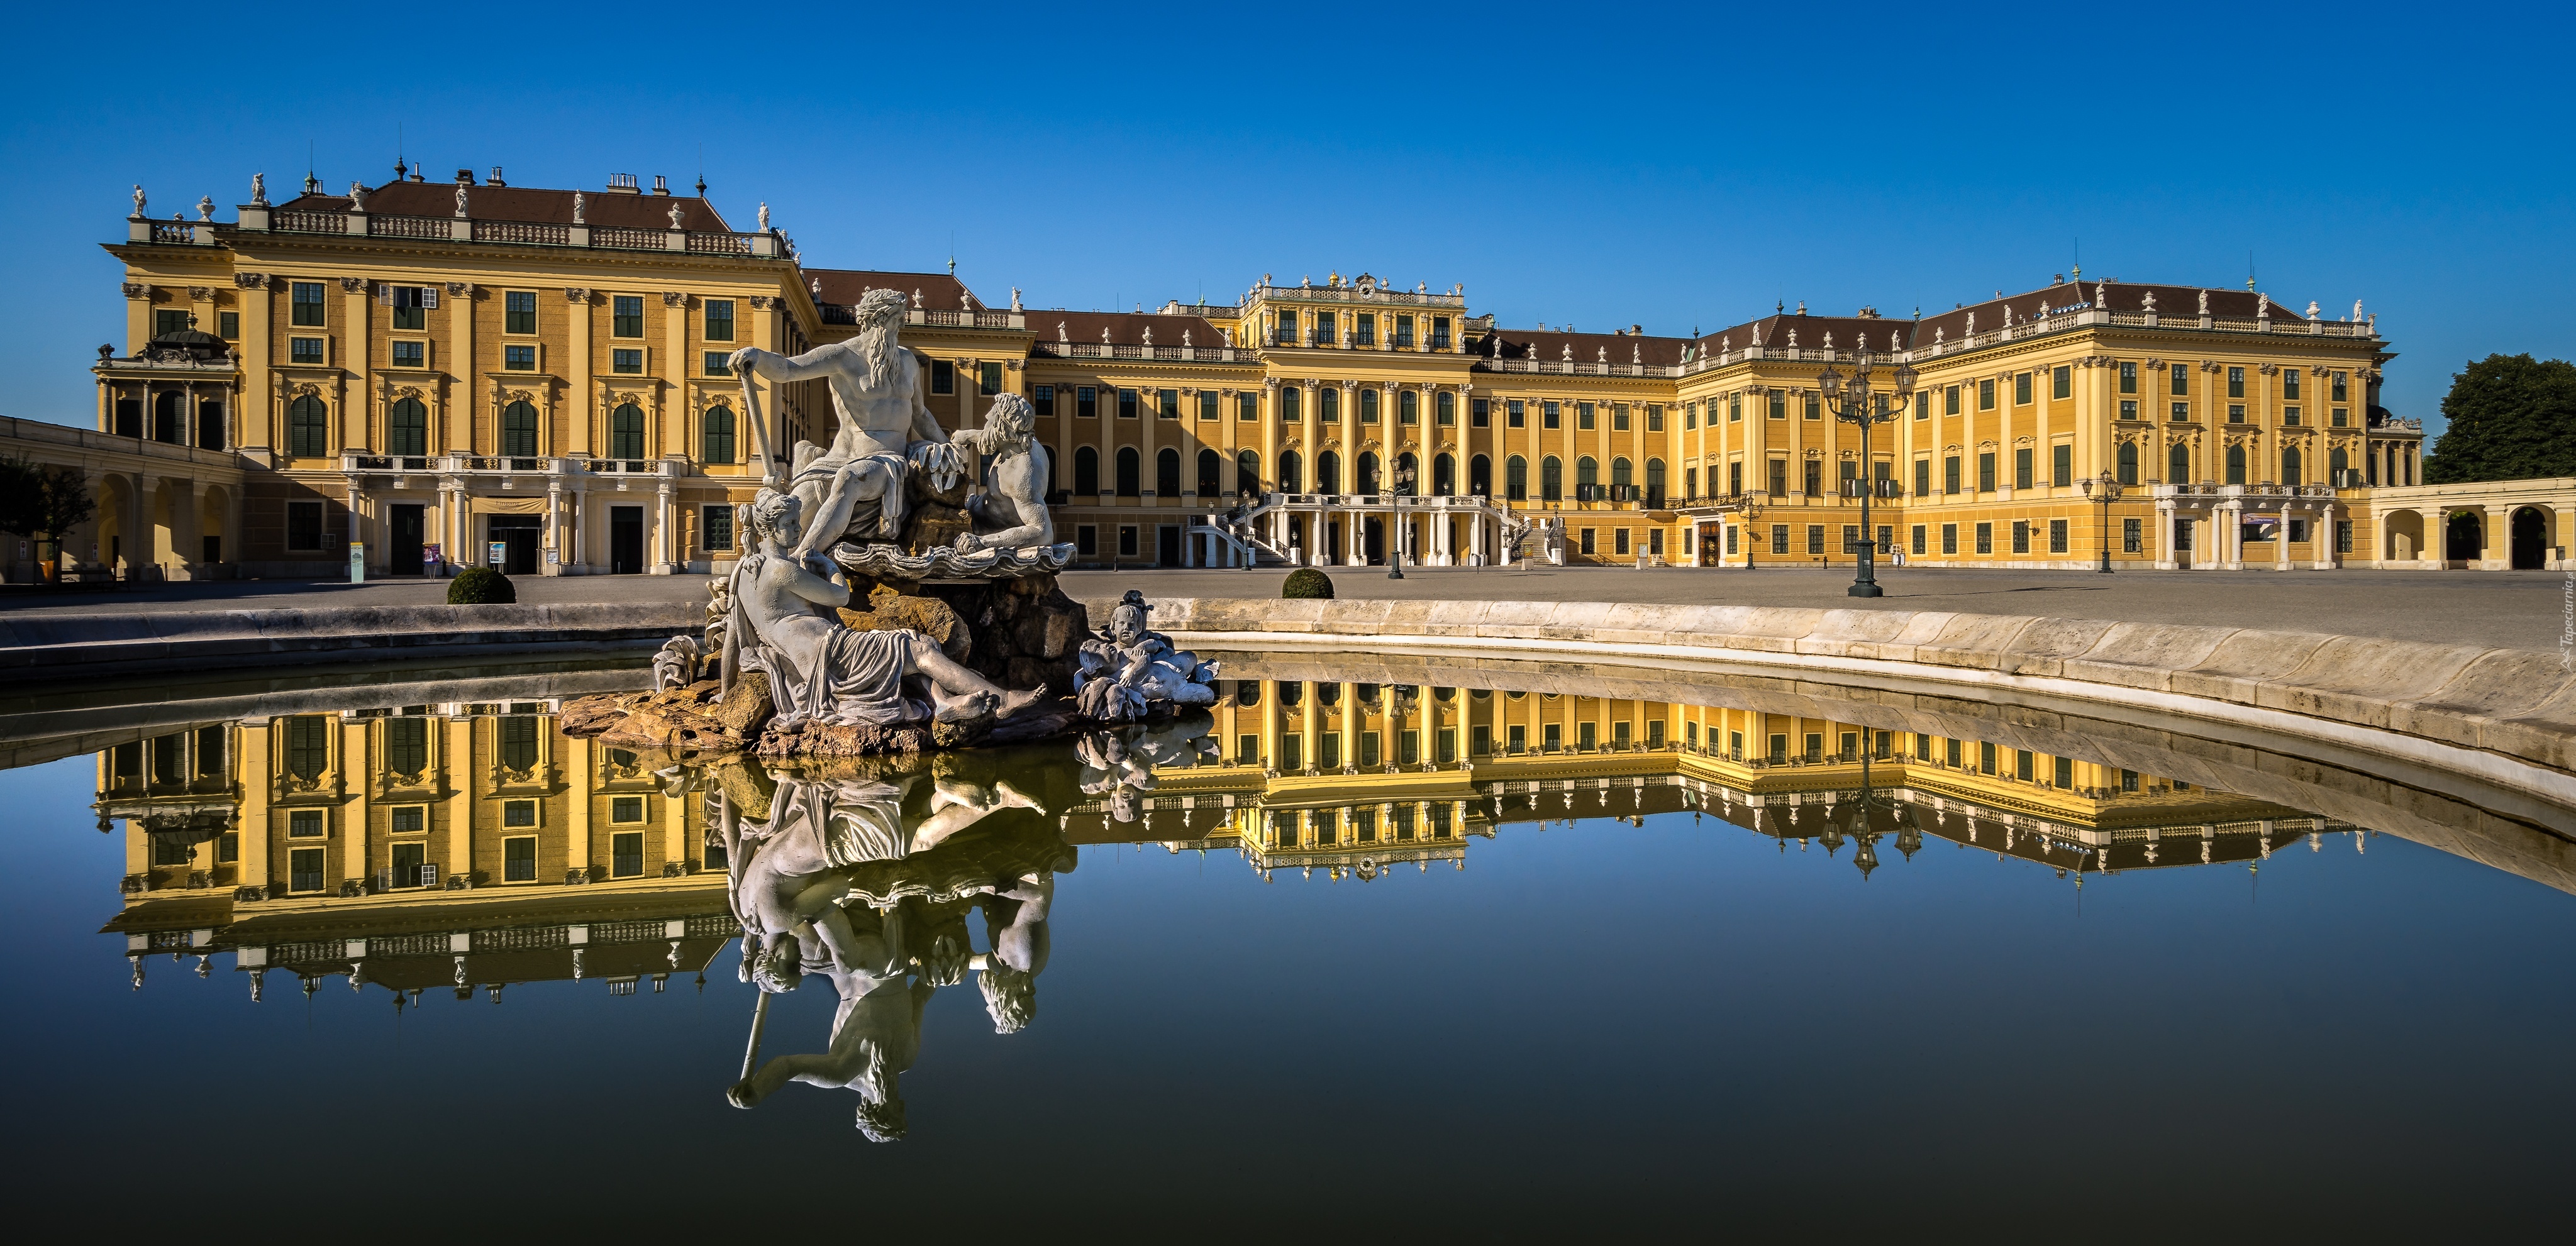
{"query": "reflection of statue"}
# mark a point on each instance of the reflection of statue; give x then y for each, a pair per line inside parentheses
(822, 671)
(855, 490)
(1118, 766)
(1010, 505)
(1126, 669)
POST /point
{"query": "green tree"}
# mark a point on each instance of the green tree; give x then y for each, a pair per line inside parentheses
(42, 502)
(2511, 417)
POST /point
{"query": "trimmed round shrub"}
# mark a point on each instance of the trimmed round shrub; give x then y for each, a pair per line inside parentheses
(1307, 582)
(483, 586)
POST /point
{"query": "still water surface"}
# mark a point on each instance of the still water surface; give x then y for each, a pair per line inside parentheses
(1574, 988)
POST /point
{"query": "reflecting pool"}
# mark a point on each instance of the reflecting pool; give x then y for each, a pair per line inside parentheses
(1414, 946)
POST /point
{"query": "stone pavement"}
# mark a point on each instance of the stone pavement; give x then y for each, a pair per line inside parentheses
(2504, 609)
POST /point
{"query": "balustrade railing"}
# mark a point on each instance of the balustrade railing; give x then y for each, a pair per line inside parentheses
(629, 239)
(410, 227)
(173, 231)
(535, 232)
(308, 222)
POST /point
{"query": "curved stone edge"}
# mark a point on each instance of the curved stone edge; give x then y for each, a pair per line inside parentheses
(2517, 704)
(57, 646)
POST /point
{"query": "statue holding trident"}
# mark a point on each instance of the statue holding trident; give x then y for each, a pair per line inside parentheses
(855, 490)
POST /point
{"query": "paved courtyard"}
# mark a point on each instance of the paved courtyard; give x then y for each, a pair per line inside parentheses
(2521, 609)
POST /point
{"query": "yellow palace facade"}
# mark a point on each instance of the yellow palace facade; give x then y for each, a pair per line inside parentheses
(468, 372)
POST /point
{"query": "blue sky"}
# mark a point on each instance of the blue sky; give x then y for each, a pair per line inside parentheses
(1671, 168)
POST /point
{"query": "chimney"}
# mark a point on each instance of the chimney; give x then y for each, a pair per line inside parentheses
(661, 186)
(465, 177)
(495, 179)
(622, 183)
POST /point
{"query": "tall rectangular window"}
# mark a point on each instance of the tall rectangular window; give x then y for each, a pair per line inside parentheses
(1919, 531)
(304, 869)
(1618, 417)
(305, 306)
(1480, 413)
(1735, 409)
(1209, 407)
(1923, 404)
(1779, 478)
(2057, 536)
(1126, 404)
(1551, 415)
(719, 320)
(943, 376)
(1949, 538)
(2340, 388)
(2132, 536)
(1247, 407)
(304, 525)
(2236, 382)
(1447, 409)
(2022, 467)
(715, 528)
(1779, 538)
(2061, 382)
(2290, 383)
(1516, 414)
(2021, 536)
(519, 311)
(2128, 378)
(1950, 474)
(410, 310)
(1815, 410)
(2021, 389)
(1986, 394)
(519, 859)
(1654, 417)
(1986, 471)
(1408, 407)
(1086, 402)
(2061, 466)
(626, 854)
(1985, 538)
(308, 745)
(626, 316)
(228, 326)
(2181, 374)
(1950, 400)
(988, 377)
(1364, 329)
(406, 745)
(1922, 480)
(1167, 402)
(1439, 333)
(1814, 483)
(1779, 405)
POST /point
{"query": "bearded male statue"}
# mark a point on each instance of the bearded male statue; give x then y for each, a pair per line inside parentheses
(1009, 506)
(855, 490)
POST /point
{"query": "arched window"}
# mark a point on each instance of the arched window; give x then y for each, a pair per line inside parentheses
(1364, 480)
(1409, 468)
(1551, 479)
(308, 425)
(519, 430)
(1211, 473)
(1247, 692)
(1654, 482)
(2128, 463)
(716, 435)
(1621, 473)
(2337, 463)
(2291, 467)
(1167, 472)
(1131, 467)
(1480, 476)
(1086, 472)
(170, 417)
(1587, 479)
(626, 432)
(1328, 472)
(1516, 479)
(2236, 465)
(2178, 468)
(1444, 475)
(407, 427)
(1247, 472)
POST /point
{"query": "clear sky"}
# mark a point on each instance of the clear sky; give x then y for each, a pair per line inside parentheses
(1569, 164)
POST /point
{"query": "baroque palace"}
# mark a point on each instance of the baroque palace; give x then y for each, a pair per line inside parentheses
(472, 372)
(469, 846)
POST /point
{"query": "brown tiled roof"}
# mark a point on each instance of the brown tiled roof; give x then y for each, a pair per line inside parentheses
(1951, 325)
(939, 291)
(1125, 328)
(1549, 346)
(525, 203)
(1847, 332)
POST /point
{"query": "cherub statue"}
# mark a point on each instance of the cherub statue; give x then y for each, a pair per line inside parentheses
(1009, 506)
(1127, 669)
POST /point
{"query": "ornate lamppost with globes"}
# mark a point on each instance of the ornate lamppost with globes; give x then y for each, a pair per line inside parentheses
(1402, 489)
(2106, 491)
(1856, 401)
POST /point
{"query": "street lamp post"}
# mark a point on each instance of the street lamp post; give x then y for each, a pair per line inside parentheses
(1856, 402)
(2106, 491)
(1395, 526)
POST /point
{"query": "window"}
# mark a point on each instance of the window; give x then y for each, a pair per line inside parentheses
(1042, 399)
(1324, 335)
(1167, 472)
(626, 432)
(1815, 538)
(2290, 383)
(228, 326)
(1126, 404)
(1779, 478)
(715, 435)
(407, 426)
(1583, 415)
(1985, 757)
(2178, 465)
(2236, 413)
(409, 304)
(1815, 479)
(518, 813)
(1364, 329)
(1086, 540)
(626, 809)
(1986, 394)
(1923, 404)
(304, 869)
(519, 430)
(1404, 331)
(988, 378)
(1814, 411)
(519, 358)
(1209, 407)
(627, 362)
(2339, 390)
(1779, 538)
(2021, 764)
(1439, 333)
(2021, 389)
(1287, 328)
(1919, 531)
(2182, 413)
(719, 320)
(518, 742)
(2061, 382)
(410, 819)
(1922, 480)
(2292, 468)
(1408, 407)
(943, 376)
(1551, 479)
(2128, 378)
(1551, 415)
(2236, 382)
(1735, 409)
(1654, 417)
(2021, 536)
(1480, 413)
(2181, 379)
(519, 854)
(304, 824)
(1619, 417)
(519, 311)
(2128, 408)
(308, 745)
(1950, 401)
(304, 525)
(626, 316)
(1516, 414)
(2132, 536)
(2128, 459)
(1086, 402)
(1618, 541)
(2057, 536)
(307, 432)
(1986, 471)
(2061, 466)
(2236, 465)
(1516, 479)
(2290, 417)
(1950, 474)
(716, 363)
(2021, 467)
(306, 350)
(1735, 478)
(1130, 473)
(715, 528)
(2343, 536)
(1167, 402)
(305, 306)
(1985, 538)
(2339, 419)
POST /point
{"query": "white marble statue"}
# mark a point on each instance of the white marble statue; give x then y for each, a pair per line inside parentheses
(822, 671)
(855, 490)
(1009, 507)
(1128, 671)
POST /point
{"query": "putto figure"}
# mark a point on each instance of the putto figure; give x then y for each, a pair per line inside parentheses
(855, 490)
(1129, 672)
(822, 671)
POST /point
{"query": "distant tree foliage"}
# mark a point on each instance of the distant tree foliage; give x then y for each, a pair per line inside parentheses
(2512, 418)
(38, 501)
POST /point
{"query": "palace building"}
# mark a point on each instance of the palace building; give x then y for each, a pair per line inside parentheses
(470, 372)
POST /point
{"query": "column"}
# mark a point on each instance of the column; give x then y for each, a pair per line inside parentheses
(2322, 551)
(665, 542)
(553, 534)
(250, 742)
(350, 761)
(2165, 552)
(2499, 540)
(1476, 537)
(2281, 541)
(357, 533)
(456, 762)
(456, 412)
(581, 768)
(1314, 728)
(1350, 731)
(576, 374)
